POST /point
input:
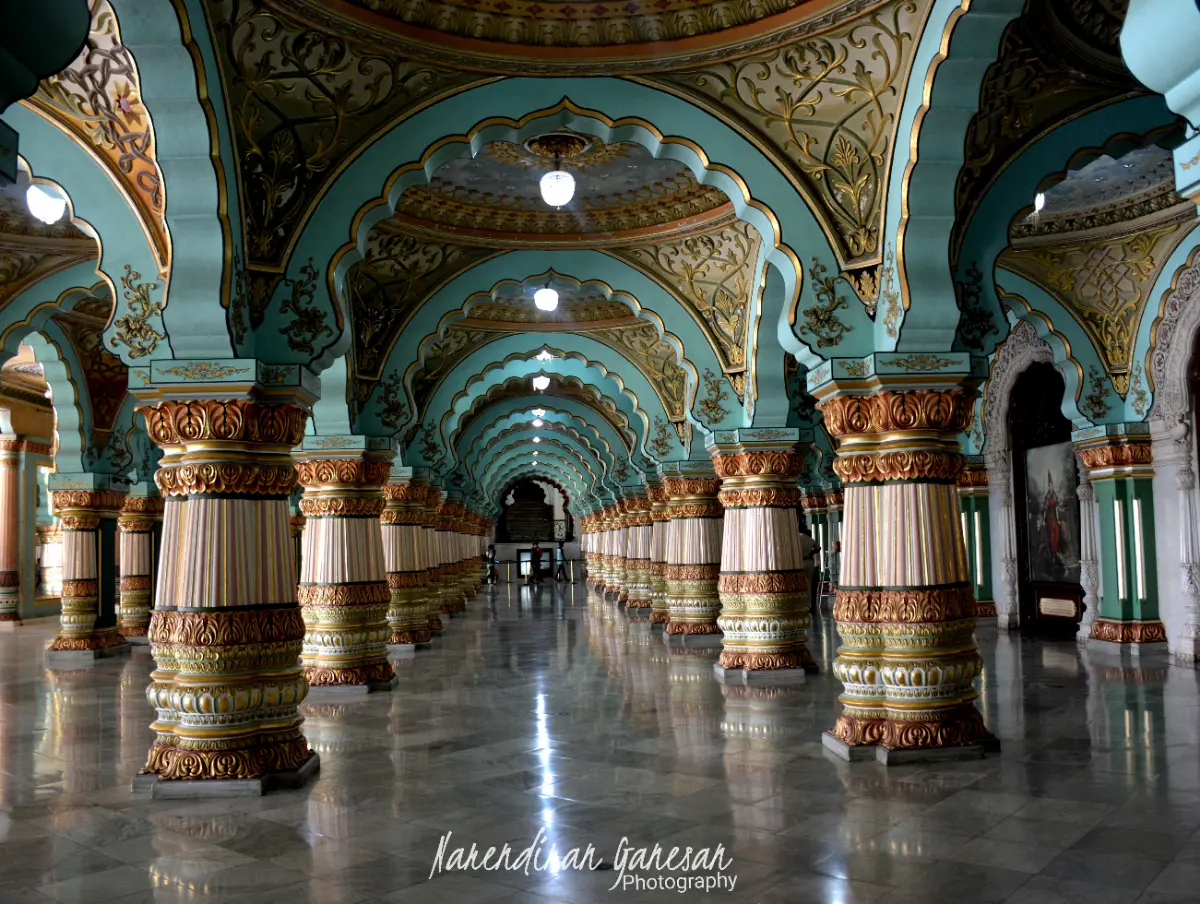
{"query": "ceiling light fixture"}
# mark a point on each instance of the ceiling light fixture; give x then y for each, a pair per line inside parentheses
(1039, 201)
(545, 298)
(43, 205)
(535, 452)
(541, 382)
(558, 186)
(537, 439)
(539, 412)
(544, 355)
(537, 422)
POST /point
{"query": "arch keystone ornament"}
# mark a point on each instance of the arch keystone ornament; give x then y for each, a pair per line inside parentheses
(904, 610)
(343, 590)
(226, 630)
(763, 586)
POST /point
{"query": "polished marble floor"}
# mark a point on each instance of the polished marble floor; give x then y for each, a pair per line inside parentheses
(556, 712)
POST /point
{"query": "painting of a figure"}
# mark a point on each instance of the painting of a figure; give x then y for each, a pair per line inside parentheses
(1052, 510)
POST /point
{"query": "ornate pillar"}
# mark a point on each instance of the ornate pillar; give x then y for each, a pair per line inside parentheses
(637, 556)
(89, 509)
(343, 588)
(451, 596)
(763, 585)
(659, 520)
(296, 522)
(10, 530)
(226, 630)
(619, 566)
(430, 499)
(1174, 446)
(904, 609)
(404, 560)
(140, 524)
(1000, 501)
(1089, 552)
(585, 539)
(1119, 465)
(693, 553)
(973, 515)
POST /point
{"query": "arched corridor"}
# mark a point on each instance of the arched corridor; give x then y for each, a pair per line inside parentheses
(763, 425)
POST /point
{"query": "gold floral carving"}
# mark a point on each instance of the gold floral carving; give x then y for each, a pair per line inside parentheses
(714, 275)
(87, 500)
(128, 525)
(99, 641)
(752, 464)
(714, 395)
(97, 100)
(821, 321)
(369, 594)
(680, 488)
(973, 478)
(248, 479)
(923, 464)
(693, 572)
(204, 370)
(959, 727)
(656, 358)
(826, 107)
(80, 522)
(943, 411)
(367, 674)
(754, 497)
(265, 624)
(136, 582)
(1129, 631)
(173, 763)
(143, 505)
(342, 472)
(917, 606)
(1122, 454)
(174, 423)
(1105, 284)
(342, 507)
(765, 582)
(133, 330)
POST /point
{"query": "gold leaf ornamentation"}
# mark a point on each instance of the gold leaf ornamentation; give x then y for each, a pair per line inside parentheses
(821, 321)
(204, 370)
(133, 330)
(714, 395)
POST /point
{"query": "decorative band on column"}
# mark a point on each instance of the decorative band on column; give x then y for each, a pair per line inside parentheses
(659, 519)
(904, 610)
(637, 554)
(136, 525)
(763, 587)
(10, 511)
(343, 590)
(693, 555)
(226, 631)
(80, 512)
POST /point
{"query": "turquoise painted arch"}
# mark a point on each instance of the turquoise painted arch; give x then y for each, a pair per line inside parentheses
(523, 465)
(610, 109)
(68, 393)
(98, 208)
(604, 465)
(589, 361)
(494, 503)
(552, 448)
(558, 411)
(952, 56)
(34, 307)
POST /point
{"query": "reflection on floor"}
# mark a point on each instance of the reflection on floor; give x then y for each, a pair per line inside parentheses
(556, 711)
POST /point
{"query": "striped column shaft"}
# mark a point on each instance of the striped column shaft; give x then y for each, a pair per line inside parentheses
(83, 624)
(136, 524)
(659, 520)
(10, 538)
(449, 595)
(226, 630)
(693, 555)
(763, 586)
(905, 609)
(404, 561)
(343, 590)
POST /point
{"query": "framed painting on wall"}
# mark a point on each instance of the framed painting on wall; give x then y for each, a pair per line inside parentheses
(1052, 513)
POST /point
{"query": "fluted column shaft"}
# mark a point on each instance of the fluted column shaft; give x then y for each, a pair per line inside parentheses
(10, 513)
(763, 584)
(637, 554)
(451, 584)
(226, 630)
(139, 517)
(404, 562)
(659, 520)
(904, 609)
(343, 588)
(432, 556)
(693, 555)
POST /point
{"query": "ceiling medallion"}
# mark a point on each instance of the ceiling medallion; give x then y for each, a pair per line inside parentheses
(557, 145)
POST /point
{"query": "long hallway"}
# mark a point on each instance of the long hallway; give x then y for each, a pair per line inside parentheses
(554, 710)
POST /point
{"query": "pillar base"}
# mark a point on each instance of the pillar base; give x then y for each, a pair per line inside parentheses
(865, 752)
(693, 641)
(760, 677)
(237, 787)
(319, 692)
(81, 659)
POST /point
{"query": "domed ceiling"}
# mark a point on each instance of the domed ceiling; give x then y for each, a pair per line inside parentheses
(511, 304)
(622, 194)
(546, 33)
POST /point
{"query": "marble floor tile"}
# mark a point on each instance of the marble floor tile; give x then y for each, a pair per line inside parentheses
(552, 713)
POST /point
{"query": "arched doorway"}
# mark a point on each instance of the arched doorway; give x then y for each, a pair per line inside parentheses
(1046, 504)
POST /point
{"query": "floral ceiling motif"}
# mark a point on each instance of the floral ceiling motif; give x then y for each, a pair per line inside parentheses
(825, 108)
(302, 103)
(656, 358)
(713, 274)
(97, 99)
(1105, 283)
